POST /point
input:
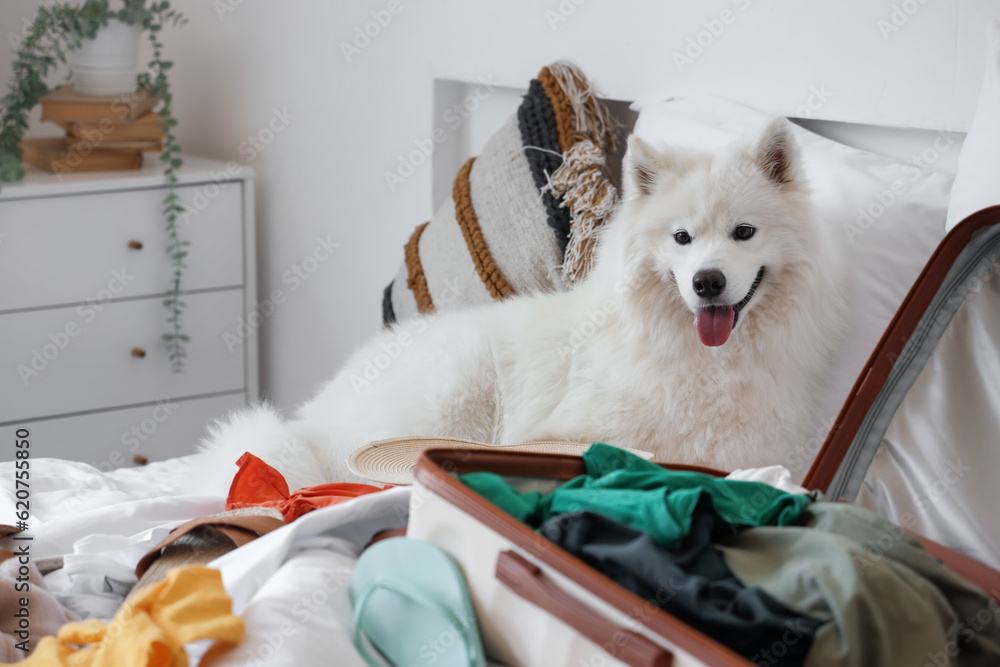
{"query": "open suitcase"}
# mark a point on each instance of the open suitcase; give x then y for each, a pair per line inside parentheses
(917, 442)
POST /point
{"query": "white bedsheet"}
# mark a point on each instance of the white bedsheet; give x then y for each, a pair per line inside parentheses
(71, 500)
(290, 586)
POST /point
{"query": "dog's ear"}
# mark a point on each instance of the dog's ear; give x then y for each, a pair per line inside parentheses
(643, 164)
(776, 152)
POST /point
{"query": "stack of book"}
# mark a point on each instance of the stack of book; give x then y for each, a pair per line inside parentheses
(101, 132)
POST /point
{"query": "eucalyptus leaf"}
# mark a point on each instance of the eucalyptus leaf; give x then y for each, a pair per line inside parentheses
(58, 29)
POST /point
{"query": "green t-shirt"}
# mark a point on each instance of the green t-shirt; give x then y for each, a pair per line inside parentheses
(645, 496)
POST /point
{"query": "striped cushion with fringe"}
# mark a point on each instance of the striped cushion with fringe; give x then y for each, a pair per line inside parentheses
(522, 215)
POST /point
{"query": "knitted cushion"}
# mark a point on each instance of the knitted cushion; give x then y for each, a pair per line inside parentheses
(522, 215)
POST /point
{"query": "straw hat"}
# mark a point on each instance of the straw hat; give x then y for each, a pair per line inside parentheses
(392, 461)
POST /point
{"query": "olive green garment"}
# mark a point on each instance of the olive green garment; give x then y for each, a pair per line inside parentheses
(645, 496)
(884, 599)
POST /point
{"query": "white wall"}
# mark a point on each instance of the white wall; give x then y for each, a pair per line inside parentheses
(349, 122)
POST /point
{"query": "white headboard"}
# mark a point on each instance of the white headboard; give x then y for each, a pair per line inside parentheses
(903, 63)
(883, 76)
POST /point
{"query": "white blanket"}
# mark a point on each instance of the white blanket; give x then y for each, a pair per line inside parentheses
(291, 586)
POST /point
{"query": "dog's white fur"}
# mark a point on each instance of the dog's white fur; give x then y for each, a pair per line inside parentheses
(618, 358)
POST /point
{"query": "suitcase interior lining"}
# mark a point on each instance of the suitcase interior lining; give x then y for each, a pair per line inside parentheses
(914, 463)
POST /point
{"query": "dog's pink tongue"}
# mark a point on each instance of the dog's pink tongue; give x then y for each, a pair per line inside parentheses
(714, 324)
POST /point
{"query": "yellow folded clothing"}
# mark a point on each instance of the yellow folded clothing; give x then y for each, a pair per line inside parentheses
(151, 629)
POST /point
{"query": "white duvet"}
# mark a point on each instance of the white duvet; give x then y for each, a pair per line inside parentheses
(291, 586)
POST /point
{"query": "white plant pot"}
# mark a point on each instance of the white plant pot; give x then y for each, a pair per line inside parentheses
(108, 64)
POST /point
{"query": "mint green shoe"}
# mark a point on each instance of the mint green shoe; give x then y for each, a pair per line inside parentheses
(411, 603)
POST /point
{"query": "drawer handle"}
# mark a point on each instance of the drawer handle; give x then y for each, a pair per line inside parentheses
(138, 352)
(135, 245)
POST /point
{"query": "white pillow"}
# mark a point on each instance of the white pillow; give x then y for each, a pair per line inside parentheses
(891, 217)
(977, 184)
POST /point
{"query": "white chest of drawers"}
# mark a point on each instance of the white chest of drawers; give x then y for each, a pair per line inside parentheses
(83, 275)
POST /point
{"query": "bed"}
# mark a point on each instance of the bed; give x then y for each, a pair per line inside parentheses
(291, 585)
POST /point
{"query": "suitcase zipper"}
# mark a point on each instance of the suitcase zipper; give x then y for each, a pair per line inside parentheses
(906, 355)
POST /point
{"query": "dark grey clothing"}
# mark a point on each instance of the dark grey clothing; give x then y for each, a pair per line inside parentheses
(691, 582)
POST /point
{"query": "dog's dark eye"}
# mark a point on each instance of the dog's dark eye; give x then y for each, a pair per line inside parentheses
(682, 237)
(744, 232)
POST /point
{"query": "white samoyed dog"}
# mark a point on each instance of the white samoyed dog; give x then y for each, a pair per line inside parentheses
(702, 334)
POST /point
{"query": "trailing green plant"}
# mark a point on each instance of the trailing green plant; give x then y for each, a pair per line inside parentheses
(57, 30)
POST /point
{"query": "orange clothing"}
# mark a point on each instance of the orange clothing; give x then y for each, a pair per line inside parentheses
(149, 630)
(257, 484)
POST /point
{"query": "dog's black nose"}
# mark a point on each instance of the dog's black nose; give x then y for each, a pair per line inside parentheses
(709, 283)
